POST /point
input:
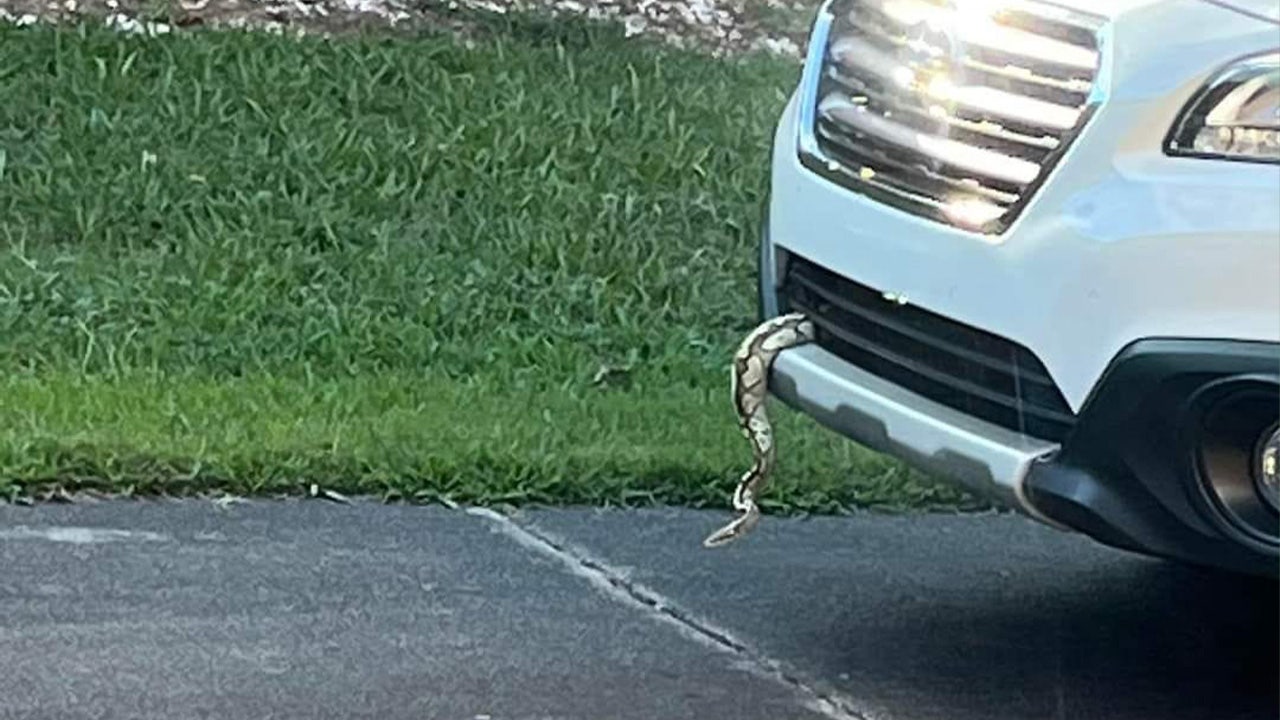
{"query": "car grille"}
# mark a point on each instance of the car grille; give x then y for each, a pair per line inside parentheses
(955, 116)
(956, 365)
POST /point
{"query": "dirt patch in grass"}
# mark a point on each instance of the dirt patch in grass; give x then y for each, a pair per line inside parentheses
(717, 27)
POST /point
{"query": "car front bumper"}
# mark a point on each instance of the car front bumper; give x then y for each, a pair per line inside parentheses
(1130, 475)
(1127, 476)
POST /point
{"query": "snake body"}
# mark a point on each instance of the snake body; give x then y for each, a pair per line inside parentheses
(750, 376)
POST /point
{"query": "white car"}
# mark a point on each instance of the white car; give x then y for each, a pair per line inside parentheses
(1040, 243)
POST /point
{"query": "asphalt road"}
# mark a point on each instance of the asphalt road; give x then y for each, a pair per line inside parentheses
(309, 609)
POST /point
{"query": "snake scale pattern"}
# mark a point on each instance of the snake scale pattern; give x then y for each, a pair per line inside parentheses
(750, 376)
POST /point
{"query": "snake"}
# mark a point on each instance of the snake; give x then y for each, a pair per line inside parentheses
(749, 384)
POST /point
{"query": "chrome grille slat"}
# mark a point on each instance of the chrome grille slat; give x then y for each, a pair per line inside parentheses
(1000, 57)
(960, 114)
(1070, 91)
(852, 53)
(918, 179)
(1056, 24)
(1032, 49)
(990, 132)
(978, 162)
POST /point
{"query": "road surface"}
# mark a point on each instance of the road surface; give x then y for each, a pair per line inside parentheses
(309, 609)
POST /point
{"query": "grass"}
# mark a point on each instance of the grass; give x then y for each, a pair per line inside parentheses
(391, 265)
(419, 437)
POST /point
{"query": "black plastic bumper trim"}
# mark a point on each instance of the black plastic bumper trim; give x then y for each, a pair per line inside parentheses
(1129, 477)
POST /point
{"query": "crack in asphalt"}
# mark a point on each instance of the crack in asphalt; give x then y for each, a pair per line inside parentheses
(618, 587)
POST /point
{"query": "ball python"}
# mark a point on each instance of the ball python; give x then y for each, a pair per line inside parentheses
(749, 381)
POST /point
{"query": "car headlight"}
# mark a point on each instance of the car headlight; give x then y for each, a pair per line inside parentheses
(1235, 116)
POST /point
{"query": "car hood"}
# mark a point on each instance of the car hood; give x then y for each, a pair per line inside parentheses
(1262, 9)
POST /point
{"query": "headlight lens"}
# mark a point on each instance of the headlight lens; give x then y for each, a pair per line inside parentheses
(1236, 115)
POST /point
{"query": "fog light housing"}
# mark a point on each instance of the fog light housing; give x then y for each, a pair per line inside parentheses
(1235, 432)
(1266, 467)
